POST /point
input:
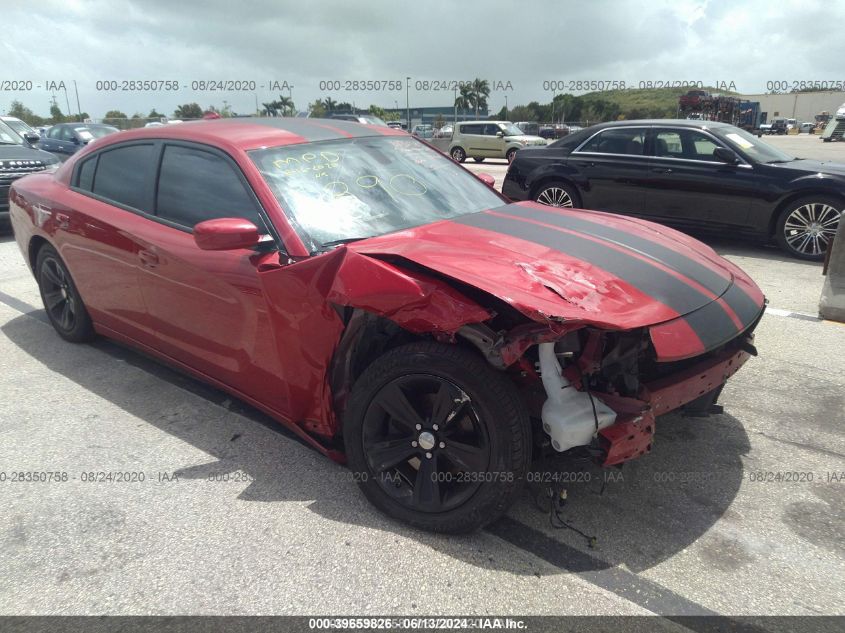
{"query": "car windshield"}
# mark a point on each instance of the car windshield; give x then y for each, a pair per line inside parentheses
(19, 126)
(510, 129)
(752, 146)
(348, 189)
(8, 136)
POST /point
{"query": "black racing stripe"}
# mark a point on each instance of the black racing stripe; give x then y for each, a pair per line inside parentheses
(646, 277)
(744, 306)
(669, 257)
(712, 324)
(313, 130)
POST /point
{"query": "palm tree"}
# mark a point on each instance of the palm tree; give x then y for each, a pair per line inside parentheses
(286, 105)
(329, 104)
(270, 108)
(464, 101)
(480, 91)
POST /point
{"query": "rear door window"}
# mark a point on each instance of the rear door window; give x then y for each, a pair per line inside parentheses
(123, 175)
(629, 141)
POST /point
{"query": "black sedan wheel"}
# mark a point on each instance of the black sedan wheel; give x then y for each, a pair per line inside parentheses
(458, 154)
(556, 194)
(61, 299)
(806, 227)
(437, 438)
(478, 159)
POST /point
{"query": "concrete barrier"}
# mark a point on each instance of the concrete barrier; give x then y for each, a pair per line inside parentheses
(832, 302)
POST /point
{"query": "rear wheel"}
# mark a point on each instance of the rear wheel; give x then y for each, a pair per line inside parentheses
(61, 299)
(806, 226)
(557, 194)
(458, 154)
(437, 438)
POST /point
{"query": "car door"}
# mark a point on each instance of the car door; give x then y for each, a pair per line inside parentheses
(612, 168)
(208, 308)
(473, 137)
(689, 186)
(493, 145)
(50, 142)
(110, 195)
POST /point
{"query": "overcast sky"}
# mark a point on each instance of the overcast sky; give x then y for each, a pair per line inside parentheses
(303, 42)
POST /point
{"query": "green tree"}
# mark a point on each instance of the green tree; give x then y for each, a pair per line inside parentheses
(20, 111)
(286, 105)
(329, 104)
(464, 100)
(480, 90)
(56, 115)
(317, 109)
(188, 111)
(115, 114)
(154, 115)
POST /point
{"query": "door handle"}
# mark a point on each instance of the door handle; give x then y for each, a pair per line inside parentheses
(62, 220)
(662, 170)
(587, 164)
(148, 258)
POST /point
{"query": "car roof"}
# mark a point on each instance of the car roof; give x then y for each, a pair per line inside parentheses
(696, 123)
(247, 133)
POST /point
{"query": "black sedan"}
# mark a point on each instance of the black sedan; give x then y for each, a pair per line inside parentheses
(694, 175)
(65, 139)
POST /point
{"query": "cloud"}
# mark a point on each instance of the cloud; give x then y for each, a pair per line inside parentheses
(302, 43)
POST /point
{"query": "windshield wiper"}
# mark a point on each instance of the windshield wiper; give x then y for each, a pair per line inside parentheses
(777, 162)
(8, 143)
(344, 240)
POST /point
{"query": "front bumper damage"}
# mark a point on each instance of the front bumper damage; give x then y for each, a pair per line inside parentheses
(623, 427)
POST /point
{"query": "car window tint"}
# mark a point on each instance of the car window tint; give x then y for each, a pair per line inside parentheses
(86, 174)
(471, 129)
(123, 175)
(66, 134)
(667, 143)
(622, 141)
(195, 185)
(54, 132)
(491, 129)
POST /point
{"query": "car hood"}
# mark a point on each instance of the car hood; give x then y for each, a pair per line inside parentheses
(588, 267)
(814, 166)
(19, 152)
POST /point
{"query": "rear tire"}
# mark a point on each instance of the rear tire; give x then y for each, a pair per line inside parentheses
(557, 194)
(458, 154)
(437, 438)
(806, 226)
(61, 299)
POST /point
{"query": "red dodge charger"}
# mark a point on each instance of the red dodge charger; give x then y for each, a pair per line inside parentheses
(385, 304)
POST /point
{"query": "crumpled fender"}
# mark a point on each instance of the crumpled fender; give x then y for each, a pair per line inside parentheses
(307, 327)
(416, 302)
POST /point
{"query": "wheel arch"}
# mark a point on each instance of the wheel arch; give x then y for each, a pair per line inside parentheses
(798, 195)
(35, 245)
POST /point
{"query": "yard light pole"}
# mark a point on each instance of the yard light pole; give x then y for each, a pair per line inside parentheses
(456, 105)
(506, 107)
(408, 100)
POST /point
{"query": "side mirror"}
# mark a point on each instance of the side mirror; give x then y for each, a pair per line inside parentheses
(500, 134)
(487, 179)
(225, 234)
(75, 140)
(726, 155)
(31, 137)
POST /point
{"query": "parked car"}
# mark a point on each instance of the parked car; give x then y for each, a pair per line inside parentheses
(364, 119)
(444, 132)
(693, 175)
(390, 308)
(423, 130)
(489, 139)
(806, 127)
(65, 139)
(531, 128)
(21, 127)
(396, 125)
(777, 126)
(18, 158)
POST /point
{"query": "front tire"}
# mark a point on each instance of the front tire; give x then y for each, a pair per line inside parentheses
(61, 299)
(806, 226)
(557, 194)
(458, 154)
(510, 155)
(437, 438)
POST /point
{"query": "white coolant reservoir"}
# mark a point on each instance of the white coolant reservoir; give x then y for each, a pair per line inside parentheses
(568, 413)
